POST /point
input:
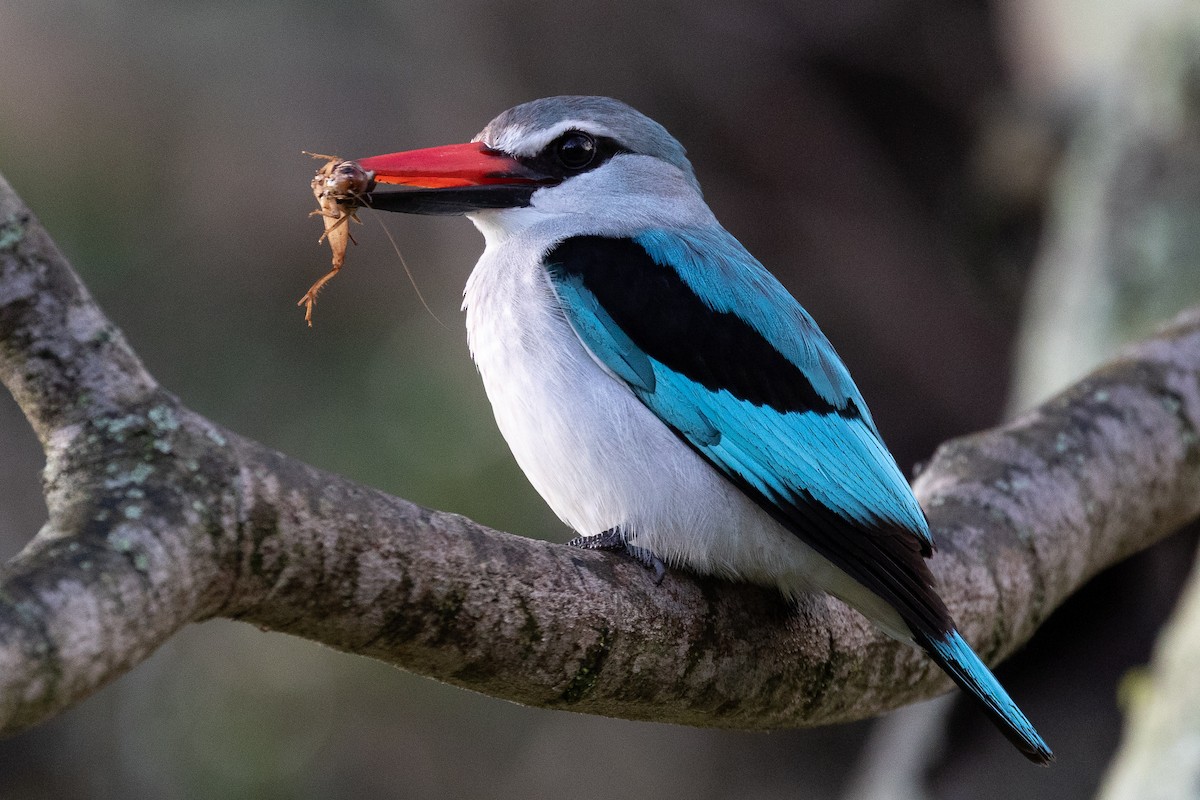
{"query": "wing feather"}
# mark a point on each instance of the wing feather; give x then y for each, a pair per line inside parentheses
(710, 342)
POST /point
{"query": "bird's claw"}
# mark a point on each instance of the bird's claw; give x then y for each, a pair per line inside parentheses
(614, 539)
(648, 560)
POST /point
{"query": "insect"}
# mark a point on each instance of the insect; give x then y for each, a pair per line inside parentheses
(339, 187)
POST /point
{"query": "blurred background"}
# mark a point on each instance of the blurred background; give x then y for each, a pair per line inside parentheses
(977, 201)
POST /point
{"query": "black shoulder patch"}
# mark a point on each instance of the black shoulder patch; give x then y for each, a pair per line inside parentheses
(673, 325)
(547, 164)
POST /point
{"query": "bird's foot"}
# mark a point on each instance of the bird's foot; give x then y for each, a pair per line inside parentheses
(614, 539)
(648, 560)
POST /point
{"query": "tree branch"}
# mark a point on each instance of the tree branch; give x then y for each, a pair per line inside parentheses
(159, 518)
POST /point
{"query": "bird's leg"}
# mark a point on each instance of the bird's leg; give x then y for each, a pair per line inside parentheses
(611, 539)
(614, 539)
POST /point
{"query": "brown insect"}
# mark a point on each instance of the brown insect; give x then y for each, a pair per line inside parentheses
(339, 187)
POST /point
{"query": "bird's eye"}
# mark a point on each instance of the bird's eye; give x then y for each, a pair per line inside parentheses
(575, 150)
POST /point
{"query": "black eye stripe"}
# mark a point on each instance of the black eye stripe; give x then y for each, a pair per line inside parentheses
(549, 162)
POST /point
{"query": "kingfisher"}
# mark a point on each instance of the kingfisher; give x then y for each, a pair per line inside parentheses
(662, 391)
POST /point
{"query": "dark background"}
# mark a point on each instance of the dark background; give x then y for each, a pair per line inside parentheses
(891, 160)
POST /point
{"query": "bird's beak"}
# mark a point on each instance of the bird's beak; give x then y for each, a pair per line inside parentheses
(453, 179)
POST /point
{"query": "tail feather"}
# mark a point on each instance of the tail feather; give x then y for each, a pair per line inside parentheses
(955, 656)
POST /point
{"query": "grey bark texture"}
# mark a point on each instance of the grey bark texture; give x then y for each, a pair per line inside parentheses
(158, 518)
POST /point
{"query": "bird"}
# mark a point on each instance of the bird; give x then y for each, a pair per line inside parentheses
(661, 389)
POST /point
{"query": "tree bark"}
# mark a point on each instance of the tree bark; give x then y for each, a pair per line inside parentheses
(158, 517)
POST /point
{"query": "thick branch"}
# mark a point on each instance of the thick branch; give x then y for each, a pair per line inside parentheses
(159, 518)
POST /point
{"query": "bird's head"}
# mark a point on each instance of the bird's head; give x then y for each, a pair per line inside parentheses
(559, 155)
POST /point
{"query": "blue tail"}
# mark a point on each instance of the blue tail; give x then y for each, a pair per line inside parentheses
(959, 661)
